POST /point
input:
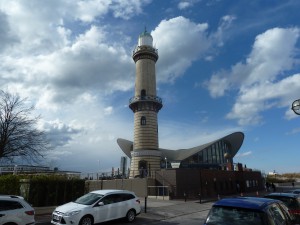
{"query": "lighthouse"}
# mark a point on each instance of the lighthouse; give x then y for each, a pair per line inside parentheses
(145, 104)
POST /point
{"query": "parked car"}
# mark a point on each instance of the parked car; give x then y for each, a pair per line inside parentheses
(249, 211)
(98, 206)
(15, 210)
(291, 200)
(295, 191)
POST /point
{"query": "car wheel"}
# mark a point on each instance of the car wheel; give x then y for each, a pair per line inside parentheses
(87, 220)
(130, 215)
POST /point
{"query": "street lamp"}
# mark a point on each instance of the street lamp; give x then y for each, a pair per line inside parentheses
(98, 176)
(163, 186)
(166, 162)
(296, 106)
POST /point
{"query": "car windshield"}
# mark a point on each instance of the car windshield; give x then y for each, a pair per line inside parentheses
(88, 199)
(234, 216)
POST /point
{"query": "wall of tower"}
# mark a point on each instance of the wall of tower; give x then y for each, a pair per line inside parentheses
(153, 165)
(145, 77)
(145, 136)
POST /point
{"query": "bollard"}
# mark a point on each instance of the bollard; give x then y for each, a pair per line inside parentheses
(200, 200)
(184, 194)
(145, 204)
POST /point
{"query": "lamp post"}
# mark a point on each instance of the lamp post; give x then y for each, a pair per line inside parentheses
(166, 162)
(98, 177)
(296, 106)
(163, 187)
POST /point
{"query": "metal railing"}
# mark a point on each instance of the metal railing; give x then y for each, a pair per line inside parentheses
(145, 98)
(145, 47)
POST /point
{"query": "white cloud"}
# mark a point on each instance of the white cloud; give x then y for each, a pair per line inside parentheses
(220, 35)
(64, 73)
(244, 154)
(89, 10)
(181, 42)
(261, 80)
(178, 46)
(127, 8)
(185, 4)
(69, 71)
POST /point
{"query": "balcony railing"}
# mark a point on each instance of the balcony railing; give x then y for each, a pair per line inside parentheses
(145, 98)
(146, 48)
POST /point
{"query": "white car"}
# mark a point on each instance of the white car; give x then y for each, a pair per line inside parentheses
(15, 210)
(98, 206)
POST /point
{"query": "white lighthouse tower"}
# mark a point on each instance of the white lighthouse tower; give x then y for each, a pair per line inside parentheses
(145, 156)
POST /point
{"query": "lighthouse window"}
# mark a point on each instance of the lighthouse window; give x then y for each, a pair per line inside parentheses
(143, 120)
(143, 93)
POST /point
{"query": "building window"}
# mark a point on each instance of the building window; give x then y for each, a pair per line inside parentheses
(143, 120)
(200, 155)
(143, 93)
(218, 152)
(205, 160)
(213, 153)
(209, 156)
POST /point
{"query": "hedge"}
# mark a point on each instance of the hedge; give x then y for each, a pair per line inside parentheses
(44, 190)
(9, 185)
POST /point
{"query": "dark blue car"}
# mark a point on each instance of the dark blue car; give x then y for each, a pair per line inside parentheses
(249, 211)
(291, 200)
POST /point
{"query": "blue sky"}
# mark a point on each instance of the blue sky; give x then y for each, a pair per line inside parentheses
(224, 66)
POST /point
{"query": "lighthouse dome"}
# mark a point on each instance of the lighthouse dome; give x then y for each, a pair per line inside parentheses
(145, 38)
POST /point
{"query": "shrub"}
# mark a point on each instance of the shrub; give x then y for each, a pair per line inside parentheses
(44, 190)
(9, 184)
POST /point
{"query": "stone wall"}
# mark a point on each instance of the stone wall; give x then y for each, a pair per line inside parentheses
(138, 185)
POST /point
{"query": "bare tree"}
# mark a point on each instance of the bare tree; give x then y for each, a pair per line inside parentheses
(19, 136)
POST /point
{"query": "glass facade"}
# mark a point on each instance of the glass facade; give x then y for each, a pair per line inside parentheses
(212, 155)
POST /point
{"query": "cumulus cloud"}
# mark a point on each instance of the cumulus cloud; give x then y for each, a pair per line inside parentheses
(59, 134)
(61, 57)
(261, 80)
(64, 70)
(180, 41)
(6, 37)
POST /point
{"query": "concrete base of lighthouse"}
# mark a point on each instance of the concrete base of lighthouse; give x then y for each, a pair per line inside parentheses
(144, 162)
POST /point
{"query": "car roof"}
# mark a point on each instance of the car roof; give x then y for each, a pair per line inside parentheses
(256, 203)
(110, 191)
(11, 197)
(283, 194)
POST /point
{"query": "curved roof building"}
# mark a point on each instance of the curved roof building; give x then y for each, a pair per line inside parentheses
(214, 154)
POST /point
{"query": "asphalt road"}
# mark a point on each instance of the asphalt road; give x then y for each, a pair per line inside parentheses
(191, 219)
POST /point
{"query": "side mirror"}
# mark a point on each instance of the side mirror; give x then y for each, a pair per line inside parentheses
(100, 204)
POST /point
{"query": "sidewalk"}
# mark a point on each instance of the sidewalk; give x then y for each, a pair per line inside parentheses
(163, 209)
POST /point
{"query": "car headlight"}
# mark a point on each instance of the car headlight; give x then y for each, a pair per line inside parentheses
(72, 213)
